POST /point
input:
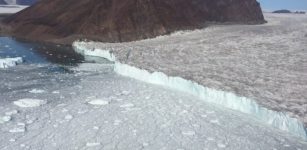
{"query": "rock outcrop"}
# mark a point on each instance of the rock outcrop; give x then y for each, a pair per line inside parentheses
(2, 2)
(126, 20)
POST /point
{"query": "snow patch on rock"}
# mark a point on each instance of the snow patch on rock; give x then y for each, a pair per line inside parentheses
(243, 104)
(25, 103)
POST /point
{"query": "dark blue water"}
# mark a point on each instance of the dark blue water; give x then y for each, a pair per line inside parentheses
(37, 53)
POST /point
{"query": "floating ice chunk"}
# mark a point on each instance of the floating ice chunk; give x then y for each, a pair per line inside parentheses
(12, 112)
(12, 140)
(125, 92)
(214, 121)
(210, 139)
(127, 105)
(10, 62)
(145, 144)
(25, 103)
(19, 129)
(64, 110)
(188, 133)
(56, 92)
(117, 122)
(5, 119)
(99, 102)
(220, 145)
(68, 117)
(30, 121)
(92, 144)
(37, 91)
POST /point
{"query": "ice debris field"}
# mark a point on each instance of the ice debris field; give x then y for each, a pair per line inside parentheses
(98, 109)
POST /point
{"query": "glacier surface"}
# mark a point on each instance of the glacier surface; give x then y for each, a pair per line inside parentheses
(276, 119)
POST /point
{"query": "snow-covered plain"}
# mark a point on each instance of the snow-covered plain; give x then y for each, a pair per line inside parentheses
(264, 63)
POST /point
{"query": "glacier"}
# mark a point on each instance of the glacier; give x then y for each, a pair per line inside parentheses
(10, 62)
(226, 99)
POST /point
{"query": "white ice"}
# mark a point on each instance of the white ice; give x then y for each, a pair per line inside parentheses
(37, 91)
(98, 102)
(10, 62)
(27, 102)
(11, 9)
(137, 116)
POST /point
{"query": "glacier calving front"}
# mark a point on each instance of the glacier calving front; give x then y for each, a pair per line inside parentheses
(226, 99)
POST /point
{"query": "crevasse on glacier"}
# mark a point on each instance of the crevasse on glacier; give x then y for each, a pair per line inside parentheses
(276, 119)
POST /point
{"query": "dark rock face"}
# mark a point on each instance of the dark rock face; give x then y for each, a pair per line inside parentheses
(126, 20)
(2, 2)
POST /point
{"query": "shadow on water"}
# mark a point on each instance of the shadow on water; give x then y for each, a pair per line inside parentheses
(57, 57)
(38, 53)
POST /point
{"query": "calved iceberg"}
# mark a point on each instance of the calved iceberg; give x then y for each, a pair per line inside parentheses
(10, 62)
(276, 119)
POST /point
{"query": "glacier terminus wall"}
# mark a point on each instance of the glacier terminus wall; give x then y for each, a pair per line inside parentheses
(229, 100)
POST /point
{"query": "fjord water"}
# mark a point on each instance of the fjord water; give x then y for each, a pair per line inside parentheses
(68, 102)
(38, 53)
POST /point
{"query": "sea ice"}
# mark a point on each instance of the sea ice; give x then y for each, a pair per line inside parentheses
(29, 102)
(127, 105)
(68, 117)
(92, 144)
(12, 112)
(5, 119)
(37, 91)
(19, 128)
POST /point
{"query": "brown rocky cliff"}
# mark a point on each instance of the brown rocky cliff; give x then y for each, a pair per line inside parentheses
(126, 20)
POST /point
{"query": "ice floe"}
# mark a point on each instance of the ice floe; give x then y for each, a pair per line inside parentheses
(29, 102)
(37, 91)
(98, 102)
(10, 62)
